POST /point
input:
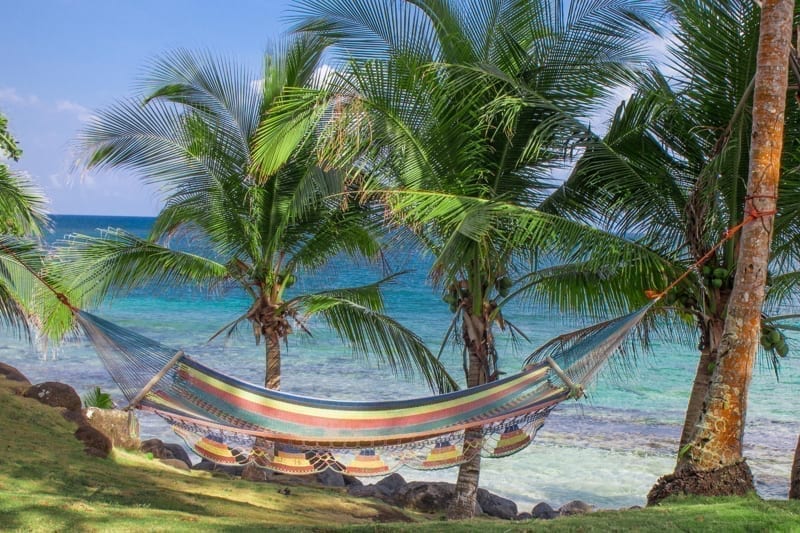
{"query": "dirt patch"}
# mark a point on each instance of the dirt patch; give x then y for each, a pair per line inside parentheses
(733, 480)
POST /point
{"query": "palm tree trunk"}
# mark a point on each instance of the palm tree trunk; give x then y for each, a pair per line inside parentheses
(711, 335)
(272, 379)
(713, 464)
(466, 491)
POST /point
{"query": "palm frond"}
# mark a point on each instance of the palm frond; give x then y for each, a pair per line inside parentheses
(119, 261)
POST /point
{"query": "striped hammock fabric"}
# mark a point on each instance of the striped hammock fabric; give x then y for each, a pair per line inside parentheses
(230, 421)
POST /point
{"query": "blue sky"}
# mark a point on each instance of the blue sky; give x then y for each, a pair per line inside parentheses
(62, 59)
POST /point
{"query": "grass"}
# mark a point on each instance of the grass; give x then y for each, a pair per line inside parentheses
(47, 483)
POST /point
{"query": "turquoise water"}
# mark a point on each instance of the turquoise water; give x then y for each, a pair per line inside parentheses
(607, 450)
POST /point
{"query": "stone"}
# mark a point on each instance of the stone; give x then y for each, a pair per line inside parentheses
(575, 507)
(392, 483)
(94, 442)
(543, 511)
(330, 478)
(350, 481)
(160, 450)
(210, 466)
(121, 427)
(496, 506)
(175, 463)
(12, 374)
(524, 516)
(369, 491)
(426, 497)
(76, 417)
(54, 394)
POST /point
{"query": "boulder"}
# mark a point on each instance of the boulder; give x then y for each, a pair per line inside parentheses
(496, 506)
(210, 466)
(575, 507)
(94, 442)
(543, 511)
(160, 450)
(391, 484)
(121, 427)
(369, 491)
(524, 516)
(426, 497)
(12, 374)
(175, 463)
(330, 478)
(55, 394)
(351, 481)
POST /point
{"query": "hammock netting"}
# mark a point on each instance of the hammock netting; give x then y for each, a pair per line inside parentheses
(229, 421)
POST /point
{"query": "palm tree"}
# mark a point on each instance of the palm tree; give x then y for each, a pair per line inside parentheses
(454, 114)
(24, 300)
(192, 136)
(672, 171)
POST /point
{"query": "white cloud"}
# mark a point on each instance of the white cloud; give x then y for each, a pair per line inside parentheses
(12, 96)
(83, 113)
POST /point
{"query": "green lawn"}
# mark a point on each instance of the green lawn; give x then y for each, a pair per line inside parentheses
(47, 483)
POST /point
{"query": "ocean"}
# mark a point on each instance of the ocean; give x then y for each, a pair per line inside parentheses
(607, 449)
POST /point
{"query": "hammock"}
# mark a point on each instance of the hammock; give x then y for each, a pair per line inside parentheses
(232, 422)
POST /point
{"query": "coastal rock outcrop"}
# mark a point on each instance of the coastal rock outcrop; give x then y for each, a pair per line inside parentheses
(575, 507)
(208, 466)
(426, 497)
(54, 394)
(161, 450)
(496, 506)
(94, 442)
(121, 427)
(543, 511)
(12, 374)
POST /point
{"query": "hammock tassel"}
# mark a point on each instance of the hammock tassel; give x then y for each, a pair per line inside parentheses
(576, 390)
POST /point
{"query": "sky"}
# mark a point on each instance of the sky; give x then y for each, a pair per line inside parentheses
(63, 59)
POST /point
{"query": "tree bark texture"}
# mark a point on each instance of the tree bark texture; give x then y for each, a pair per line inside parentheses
(476, 338)
(794, 478)
(711, 335)
(717, 441)
(273, 377)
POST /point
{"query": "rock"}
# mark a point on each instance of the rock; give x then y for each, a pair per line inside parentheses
(370, 491)
(55, 394)
(426, 497)
(351, 481)
(160, 450)
(178, 452)
(543, 511)
(12, 374)
(121, 427)
(496, 506)
(575, 507)
(391, 484)
(210, 466)
(94, 442)
(175, 463)
(75, 417)
(330, 478)
(524, 516)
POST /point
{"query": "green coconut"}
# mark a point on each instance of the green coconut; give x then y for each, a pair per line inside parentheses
(782, 349)
(775, 336)
(717, 283)
(720, 273)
